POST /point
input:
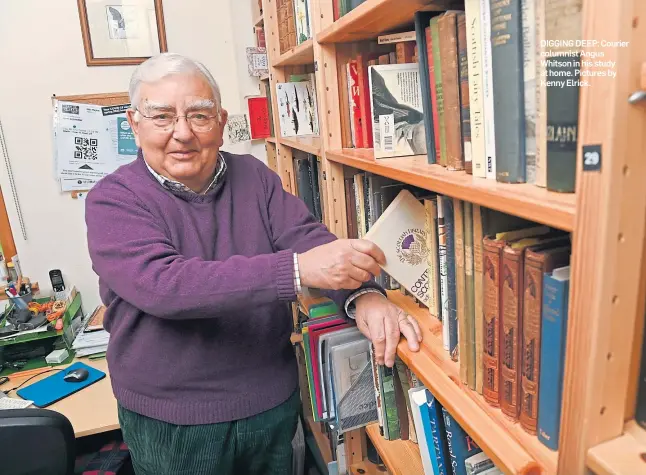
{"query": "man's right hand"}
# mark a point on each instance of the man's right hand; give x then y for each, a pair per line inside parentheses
(341, 264)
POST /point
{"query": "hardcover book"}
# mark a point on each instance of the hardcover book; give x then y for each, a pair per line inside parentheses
(397, 115)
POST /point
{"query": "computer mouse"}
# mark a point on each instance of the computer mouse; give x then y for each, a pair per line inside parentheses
(76, 375)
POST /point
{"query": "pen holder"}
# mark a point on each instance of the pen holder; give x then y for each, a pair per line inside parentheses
(22, 300)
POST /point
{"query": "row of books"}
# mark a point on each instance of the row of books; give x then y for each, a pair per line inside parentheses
(472, 91)
(348, 390)
(498, 284)
(294, 23)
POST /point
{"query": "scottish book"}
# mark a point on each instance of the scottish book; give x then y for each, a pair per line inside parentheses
(397, 115)
(400, 233)
(461, 445)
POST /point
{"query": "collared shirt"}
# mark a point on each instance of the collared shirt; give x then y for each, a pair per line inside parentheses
(172, 185)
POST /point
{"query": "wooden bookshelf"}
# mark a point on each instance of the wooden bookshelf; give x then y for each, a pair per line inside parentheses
(306, 144)
(509, 446)
(524, 200)
(301, 54)
(375, 17)
(321, 439)
(400, 456)
(605, 215)
(365, 468)
(625, 454)
(271, 139)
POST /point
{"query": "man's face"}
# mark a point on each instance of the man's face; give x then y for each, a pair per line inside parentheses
(181, 153)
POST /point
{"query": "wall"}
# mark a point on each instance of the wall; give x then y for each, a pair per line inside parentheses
(41, 53)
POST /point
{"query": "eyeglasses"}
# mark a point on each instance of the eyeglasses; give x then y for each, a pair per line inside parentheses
(197, 121)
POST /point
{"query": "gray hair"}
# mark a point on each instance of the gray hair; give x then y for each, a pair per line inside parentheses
(165, 64)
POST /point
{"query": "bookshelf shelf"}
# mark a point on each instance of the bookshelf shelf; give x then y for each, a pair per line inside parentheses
(321, 439)
(302, 54)
(365, 468)
(400, 456)
(374, 17)
(512, 449)
(306, 144)
(524, 200)
(271, 139)
(623, 455)
(259, 20)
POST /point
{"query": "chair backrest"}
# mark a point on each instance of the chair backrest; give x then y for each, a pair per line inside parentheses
(36, 442)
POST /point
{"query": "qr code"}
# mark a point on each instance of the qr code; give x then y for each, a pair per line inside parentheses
(85, 148)
(70, 109)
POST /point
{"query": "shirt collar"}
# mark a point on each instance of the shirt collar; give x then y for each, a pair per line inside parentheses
(173, 185)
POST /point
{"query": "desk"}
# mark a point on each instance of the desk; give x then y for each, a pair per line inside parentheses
(92, 410)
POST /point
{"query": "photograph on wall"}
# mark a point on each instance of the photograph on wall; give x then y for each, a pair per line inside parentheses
(238, 126)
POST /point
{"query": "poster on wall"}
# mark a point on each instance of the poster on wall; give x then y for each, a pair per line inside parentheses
(90, 141)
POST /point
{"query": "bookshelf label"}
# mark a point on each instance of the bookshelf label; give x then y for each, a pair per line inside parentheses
(591, 158)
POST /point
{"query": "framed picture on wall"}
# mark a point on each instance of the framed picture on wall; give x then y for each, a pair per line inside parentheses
(121, 32)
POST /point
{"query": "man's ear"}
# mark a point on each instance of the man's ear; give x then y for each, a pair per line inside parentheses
(134, 125)
(224, 115)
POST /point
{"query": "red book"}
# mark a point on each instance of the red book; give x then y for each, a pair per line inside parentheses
(431, 74)
(364, 94)
(260, 37)
(355, 107)
(258, 117)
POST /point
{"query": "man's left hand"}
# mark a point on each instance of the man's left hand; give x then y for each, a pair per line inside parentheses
(382, 322)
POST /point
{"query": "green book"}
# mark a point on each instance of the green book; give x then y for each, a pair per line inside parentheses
(435, 35)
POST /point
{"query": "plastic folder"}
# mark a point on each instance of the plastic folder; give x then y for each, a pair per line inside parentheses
(54, 388)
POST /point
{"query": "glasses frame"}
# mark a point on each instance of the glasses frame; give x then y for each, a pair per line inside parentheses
(176, 119)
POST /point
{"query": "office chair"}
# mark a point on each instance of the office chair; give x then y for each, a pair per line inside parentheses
(36, 442)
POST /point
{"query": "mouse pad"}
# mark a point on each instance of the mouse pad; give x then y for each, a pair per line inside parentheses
(54, 388)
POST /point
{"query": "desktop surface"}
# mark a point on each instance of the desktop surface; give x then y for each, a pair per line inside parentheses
(92, 410)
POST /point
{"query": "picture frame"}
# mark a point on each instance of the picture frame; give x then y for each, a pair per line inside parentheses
(121, 32)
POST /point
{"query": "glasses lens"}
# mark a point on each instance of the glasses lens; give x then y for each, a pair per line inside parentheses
(163, 121)
(201, 122)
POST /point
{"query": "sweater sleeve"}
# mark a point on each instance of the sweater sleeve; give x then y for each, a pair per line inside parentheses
(132, 254)
(294, 227)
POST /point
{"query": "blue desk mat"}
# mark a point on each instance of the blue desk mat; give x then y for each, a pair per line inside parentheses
(54, 388)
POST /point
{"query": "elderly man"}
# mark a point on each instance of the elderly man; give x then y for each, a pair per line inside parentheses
(198, 252)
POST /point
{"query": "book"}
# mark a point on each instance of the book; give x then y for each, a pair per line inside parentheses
(400, 234)
(297, 108)
(397, 116)
(259, 117)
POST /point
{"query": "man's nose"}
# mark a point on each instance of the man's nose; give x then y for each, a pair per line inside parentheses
(182, 130)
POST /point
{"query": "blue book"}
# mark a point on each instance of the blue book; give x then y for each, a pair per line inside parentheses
(461, 445)
(436, 421)
(556, 288)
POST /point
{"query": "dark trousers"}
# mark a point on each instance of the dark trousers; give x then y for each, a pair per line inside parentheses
(260, 444)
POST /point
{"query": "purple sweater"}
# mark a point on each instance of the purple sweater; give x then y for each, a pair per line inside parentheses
(197, 289)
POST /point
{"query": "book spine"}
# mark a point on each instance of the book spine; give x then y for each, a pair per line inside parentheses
(390, 404)
(439, 87)
(469, 303)
(460, 286)
(421, 26)
(478, 290)
(355, 104)
(540, 178)
(465, 107)
(563, 21)
(451, 90)
(461, 445)
(536, 265)
(444, 282)
(376, 380)
(510, 331)
(430, 207)
(492, 258)
(433, 88)
(529, 74)
(451, 277)
(553, 335)
(364, 103)
(487, 77)
(562, 123)
(476, 95)
(507, 65)
(437, 430)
